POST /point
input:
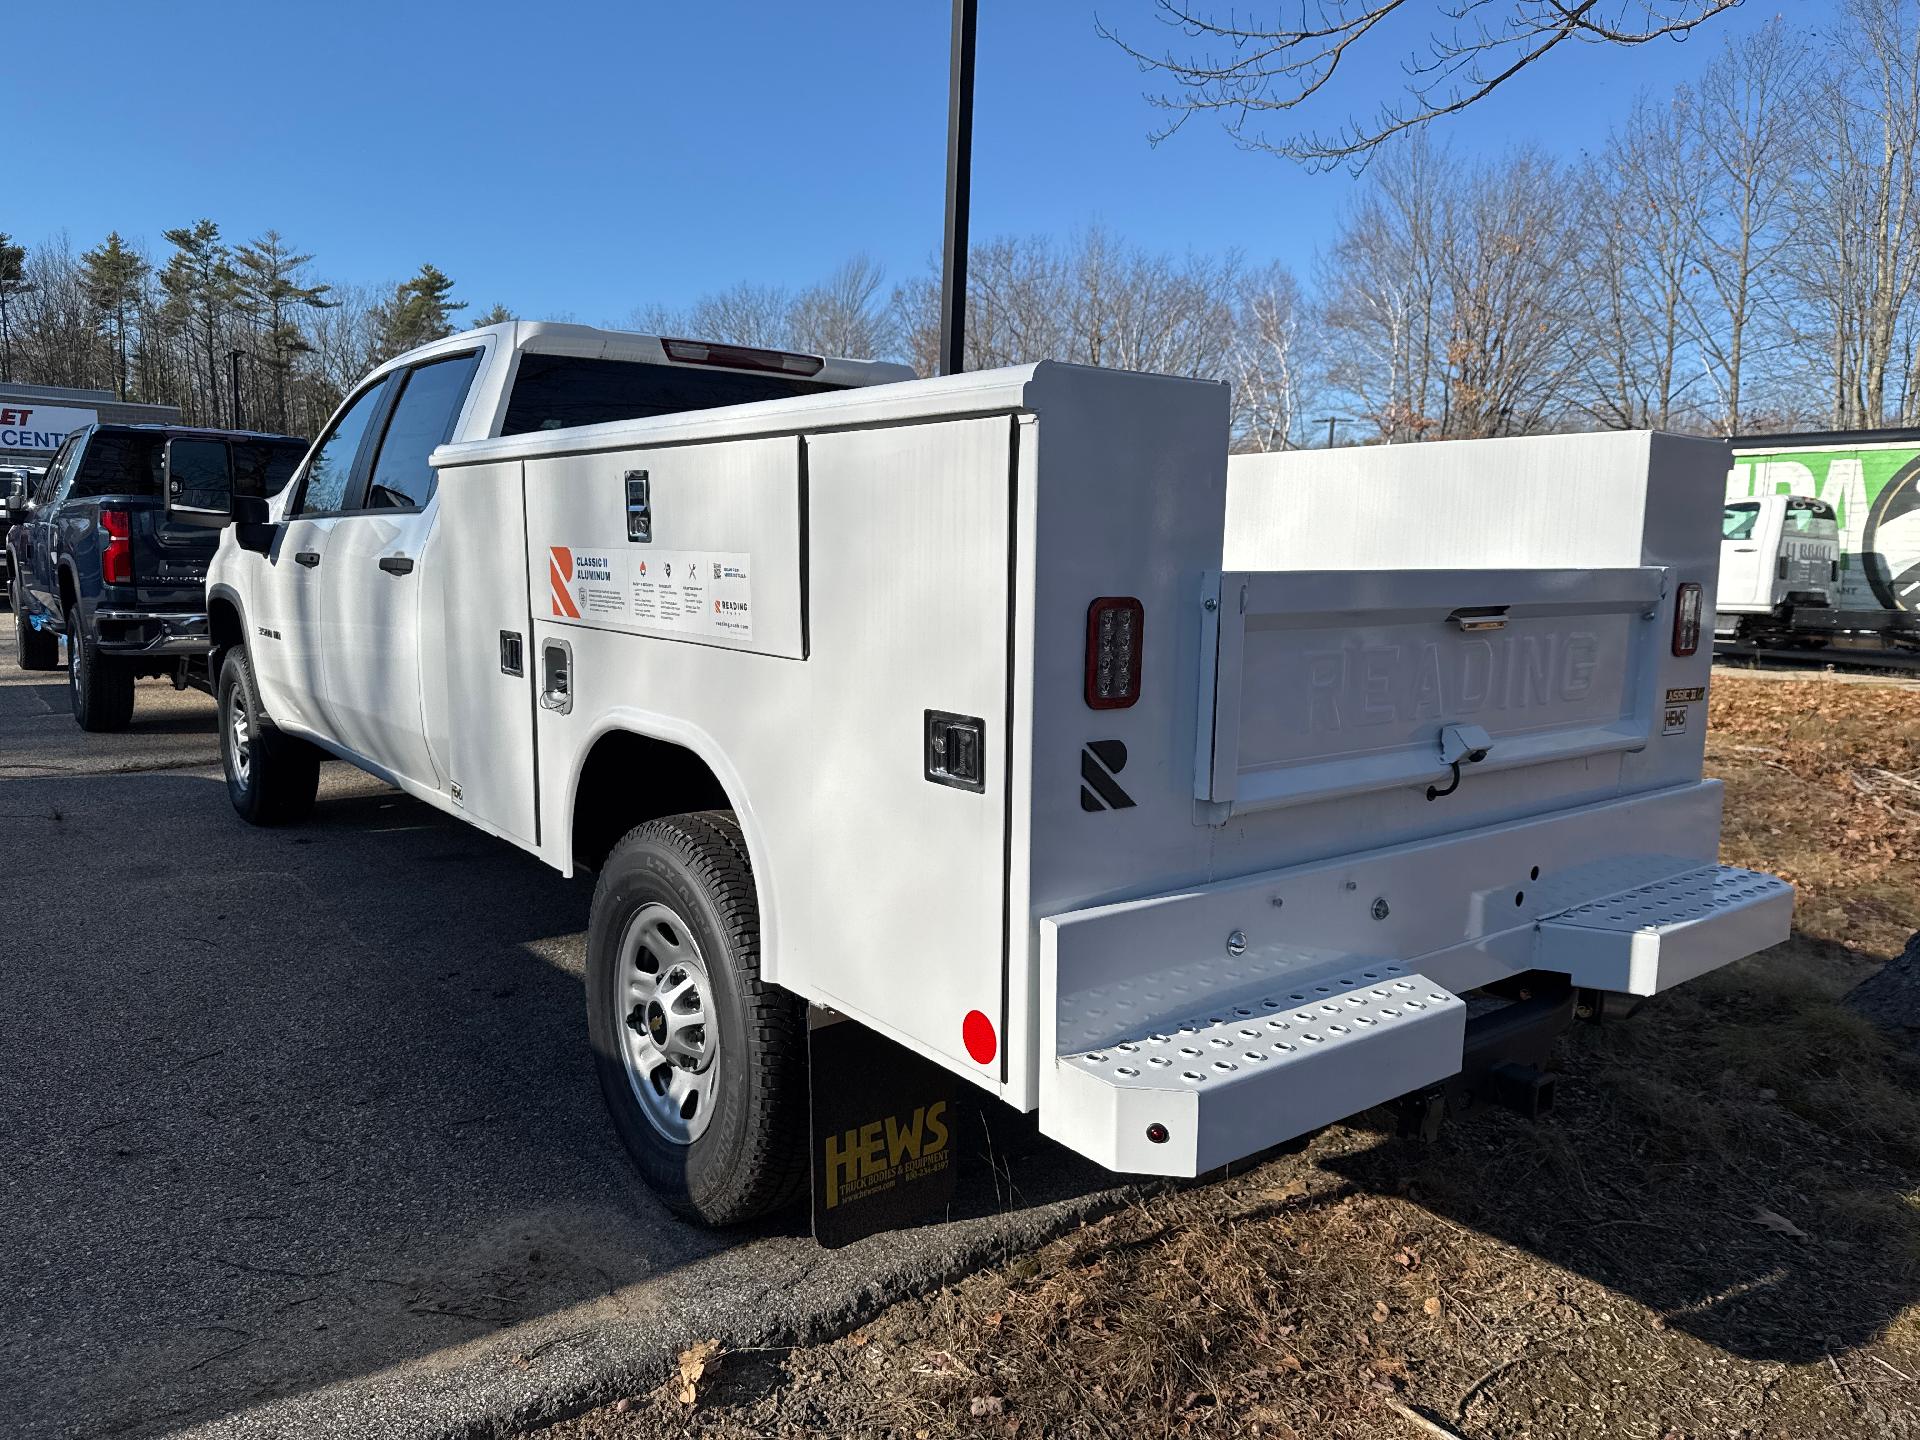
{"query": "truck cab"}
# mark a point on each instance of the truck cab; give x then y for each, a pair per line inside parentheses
(1778, 553)
(99, 557)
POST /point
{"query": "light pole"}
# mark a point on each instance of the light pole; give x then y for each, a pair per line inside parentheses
(953, 255)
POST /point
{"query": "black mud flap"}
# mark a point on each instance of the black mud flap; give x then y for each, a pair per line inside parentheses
(882, 1123)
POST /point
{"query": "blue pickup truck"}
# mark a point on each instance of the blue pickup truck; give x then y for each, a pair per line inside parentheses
(95, 557)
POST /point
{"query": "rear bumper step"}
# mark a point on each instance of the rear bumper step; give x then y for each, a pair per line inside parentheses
(1649, 939)
(1183, 1100)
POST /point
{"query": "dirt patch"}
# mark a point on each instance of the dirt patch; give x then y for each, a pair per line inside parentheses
(1717, 1234)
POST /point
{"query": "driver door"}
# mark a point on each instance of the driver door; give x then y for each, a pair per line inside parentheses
(286, 642)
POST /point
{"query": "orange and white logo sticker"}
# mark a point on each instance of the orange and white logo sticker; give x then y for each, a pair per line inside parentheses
(559, 576)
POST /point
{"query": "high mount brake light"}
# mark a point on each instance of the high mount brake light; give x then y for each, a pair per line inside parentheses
(1116, 626)
(1686, 620)
(116, 557)
(741, 357)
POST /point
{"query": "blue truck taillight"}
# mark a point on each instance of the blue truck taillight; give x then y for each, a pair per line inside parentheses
(116, 556)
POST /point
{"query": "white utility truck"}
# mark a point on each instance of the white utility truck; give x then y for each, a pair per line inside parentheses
(1187, 804)
(1778, 554)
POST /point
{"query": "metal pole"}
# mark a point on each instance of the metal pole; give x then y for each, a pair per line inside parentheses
(233, 366)
(953, 258)
(1330, 421)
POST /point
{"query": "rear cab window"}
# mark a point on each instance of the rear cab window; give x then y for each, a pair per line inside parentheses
(422, 419)
(120, 463)
(557, 392)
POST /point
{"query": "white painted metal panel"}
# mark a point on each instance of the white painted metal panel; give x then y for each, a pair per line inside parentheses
(905, 903)
(1335, 683)
(479, 717)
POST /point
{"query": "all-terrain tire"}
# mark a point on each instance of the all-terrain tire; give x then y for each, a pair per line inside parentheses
(33, 649)
(751, 1157)
(100, 686)
(272, 777)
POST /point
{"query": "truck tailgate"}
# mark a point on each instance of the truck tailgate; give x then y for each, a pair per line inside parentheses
(1322, 684)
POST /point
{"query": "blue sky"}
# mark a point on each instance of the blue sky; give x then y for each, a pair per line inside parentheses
(585, 158)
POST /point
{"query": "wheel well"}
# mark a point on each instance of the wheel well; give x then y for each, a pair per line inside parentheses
(69, 595)
(225, 631)
(630, 779)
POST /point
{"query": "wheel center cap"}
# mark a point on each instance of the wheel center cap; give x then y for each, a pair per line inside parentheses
(657, 1023)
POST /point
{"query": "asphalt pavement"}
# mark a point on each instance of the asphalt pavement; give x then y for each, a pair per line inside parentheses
(299, 1134)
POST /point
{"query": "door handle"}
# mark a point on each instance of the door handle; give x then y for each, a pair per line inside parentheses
(556, 676)
(308, 558)
(396, 564)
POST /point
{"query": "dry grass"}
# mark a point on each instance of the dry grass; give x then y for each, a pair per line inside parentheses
(1717, 1234)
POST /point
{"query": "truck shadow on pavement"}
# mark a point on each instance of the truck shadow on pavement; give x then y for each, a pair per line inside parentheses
(290, 1107)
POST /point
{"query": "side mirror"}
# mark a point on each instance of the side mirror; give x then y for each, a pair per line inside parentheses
(198, 481)
(253, 527)
(16, 496)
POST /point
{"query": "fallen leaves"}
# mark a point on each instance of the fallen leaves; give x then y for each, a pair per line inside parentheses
(695, 1361)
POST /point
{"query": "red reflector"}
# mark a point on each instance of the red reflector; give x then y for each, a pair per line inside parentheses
(116, 558)
(741, 357)
(976, 1031)
(1686, 620)
(1116, 626)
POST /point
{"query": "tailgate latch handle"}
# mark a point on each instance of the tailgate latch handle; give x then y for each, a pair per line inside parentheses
(1460, 744)
(1471, 618)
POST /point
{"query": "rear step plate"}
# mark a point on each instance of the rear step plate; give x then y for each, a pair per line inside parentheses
(1191, 1097)
(1643, 941)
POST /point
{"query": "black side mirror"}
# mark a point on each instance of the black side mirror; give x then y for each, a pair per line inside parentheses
(16, 496)
(253, 527)
(198, 482)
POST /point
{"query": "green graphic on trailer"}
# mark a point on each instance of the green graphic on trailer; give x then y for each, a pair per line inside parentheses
(1874, 490)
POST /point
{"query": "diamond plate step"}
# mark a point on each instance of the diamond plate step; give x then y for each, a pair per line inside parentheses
(1653, 937)
(1230, 1082)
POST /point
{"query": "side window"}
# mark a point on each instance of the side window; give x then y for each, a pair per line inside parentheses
(331, 471)
(56, 471)
(423, 417)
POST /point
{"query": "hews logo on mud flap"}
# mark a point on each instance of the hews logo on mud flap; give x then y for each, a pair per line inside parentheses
(887, 1152)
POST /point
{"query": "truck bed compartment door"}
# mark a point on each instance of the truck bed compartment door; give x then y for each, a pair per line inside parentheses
(1322, 684)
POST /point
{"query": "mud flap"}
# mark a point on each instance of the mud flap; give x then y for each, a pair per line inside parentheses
(882, 1132)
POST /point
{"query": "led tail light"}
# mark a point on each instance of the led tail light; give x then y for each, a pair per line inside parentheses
(1115, 634)
(741, 357)
(116, 558)
(1686, 620)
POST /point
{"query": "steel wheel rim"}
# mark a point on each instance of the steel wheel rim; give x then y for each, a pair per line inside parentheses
(73, 665)
(663, 1016)
(240, 738)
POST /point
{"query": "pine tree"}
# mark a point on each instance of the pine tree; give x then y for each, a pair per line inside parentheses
(13, 283)
(111, 276)
(271, 295)
(494, 314)
(419, 311)
(201, 281)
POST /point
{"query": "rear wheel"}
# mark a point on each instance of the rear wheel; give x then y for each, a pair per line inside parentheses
(33, 649)
(272, 777)
(100, 686)
(702, 1063)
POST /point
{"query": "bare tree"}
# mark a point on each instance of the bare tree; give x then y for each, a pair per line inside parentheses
(844, 315)
(1271, 362)
(1247, 69)
(1644, 217)
(1750, 145)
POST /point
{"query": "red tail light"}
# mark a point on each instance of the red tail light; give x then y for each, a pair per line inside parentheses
(1686, 620)
(1116, 626)
(116, 559)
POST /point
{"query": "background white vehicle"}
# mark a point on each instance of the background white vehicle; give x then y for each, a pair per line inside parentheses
(997, 713)
(1778, 553)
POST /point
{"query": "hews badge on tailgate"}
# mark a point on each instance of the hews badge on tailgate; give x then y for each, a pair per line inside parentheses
(693, 593)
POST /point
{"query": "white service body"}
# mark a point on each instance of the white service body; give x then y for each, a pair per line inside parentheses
(1227, 913)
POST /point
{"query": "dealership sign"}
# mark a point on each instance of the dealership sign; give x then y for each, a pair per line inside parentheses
(39, 427)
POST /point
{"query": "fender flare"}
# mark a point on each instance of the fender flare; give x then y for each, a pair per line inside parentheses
(671, 730)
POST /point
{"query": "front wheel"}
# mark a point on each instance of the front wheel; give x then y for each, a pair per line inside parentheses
(272, 777)
(100, 686)
(702, 1063)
